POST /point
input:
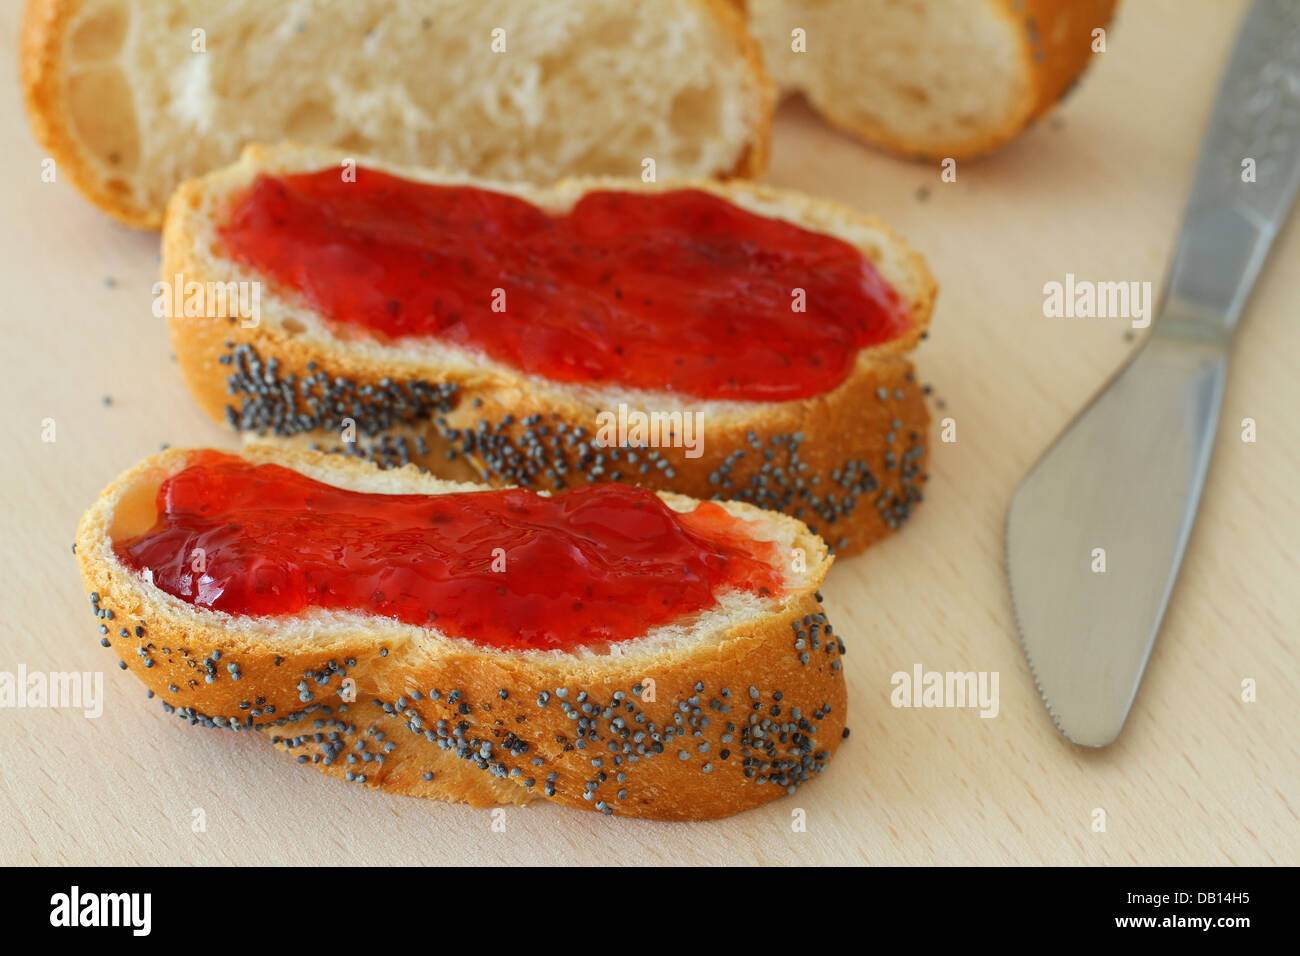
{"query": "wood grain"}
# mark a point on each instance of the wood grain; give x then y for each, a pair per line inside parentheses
(1095, 189)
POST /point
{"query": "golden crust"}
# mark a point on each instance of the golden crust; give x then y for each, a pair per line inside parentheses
(1055, 47)
(1058, 36)
(849, 462)
(276, 672)
(753, 161)
(43, 37)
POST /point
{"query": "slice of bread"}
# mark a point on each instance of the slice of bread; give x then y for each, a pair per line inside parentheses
(748, 701)
(848, 461)
(930, 79)
(131, 97)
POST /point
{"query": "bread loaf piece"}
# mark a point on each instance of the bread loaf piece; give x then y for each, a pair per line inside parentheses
(849, 461)
(131, 97)
(930, 79)
(748, 700)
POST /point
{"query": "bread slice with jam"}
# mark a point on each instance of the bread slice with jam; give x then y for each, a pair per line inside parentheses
(607, 648)
(413, 316)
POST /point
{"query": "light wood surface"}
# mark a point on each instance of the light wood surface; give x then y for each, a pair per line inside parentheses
(1095, 189)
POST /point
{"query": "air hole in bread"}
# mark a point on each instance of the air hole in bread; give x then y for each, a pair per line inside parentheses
(696, 113)
(103, 111)
(292, 326)
(548, 68)
(357, 143)
(687, 155)
(913, 95)
(311, 121)
(99, 35)
(615, 33)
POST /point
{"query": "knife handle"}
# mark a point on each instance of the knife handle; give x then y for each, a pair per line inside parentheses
(1229, 222)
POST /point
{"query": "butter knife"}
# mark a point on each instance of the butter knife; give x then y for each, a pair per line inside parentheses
(1119, 487)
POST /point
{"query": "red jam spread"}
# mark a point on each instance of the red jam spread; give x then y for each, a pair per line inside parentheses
(509, 568)
(678, 290)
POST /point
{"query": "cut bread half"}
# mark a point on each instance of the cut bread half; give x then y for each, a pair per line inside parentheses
(131, 97)
(929, 79)
(848, 460)
(748, 698)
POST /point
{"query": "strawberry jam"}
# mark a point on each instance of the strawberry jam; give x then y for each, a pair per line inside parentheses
(678, 290)
(508, 568)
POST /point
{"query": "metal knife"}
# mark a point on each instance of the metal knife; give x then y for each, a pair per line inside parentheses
(1126, 475)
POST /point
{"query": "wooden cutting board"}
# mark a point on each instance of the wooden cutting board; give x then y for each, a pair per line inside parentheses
(1096, 190)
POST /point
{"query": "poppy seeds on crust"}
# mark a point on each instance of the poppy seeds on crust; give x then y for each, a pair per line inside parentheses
(620, 733)
(540, 451)
(773, 746)
(286, 405)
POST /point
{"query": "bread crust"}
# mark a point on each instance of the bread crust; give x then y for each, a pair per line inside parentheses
(1057, 49)
(753, 161)
(849, 462)
(42, 38)
(286, 684)
(1054, 48)
(42, 68)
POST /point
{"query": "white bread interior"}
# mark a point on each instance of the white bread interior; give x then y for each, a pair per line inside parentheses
(582, 86)
(928, 71)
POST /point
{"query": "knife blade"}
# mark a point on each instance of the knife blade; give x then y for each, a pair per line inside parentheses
(1096, 532)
